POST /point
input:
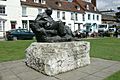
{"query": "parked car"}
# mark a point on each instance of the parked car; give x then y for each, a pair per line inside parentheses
(81, 34)
(16, 34)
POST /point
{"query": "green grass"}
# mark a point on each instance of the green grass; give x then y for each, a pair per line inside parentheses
(115, 76)
(13, 50)
(106, 48)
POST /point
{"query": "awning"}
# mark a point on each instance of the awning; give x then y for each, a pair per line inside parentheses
(1, 19)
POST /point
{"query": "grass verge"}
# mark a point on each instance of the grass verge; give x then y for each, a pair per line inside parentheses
(13, 50)
(106, 48)
(115, 76)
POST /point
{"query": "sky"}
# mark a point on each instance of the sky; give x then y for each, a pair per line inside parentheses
(107, 4)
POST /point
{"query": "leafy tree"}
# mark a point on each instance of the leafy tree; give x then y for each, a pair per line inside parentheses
(118, 15)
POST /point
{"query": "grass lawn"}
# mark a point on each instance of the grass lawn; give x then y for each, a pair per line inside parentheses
(106, 48)
(13, 50)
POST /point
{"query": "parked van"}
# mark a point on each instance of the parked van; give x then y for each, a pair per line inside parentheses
(106, 29)
(103, 28)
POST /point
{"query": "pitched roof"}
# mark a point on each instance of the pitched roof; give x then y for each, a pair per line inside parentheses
(64, 5)
(84, 4)
(67, 6)
(31, 3)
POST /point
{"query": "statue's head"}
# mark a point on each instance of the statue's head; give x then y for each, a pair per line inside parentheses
(48, 11)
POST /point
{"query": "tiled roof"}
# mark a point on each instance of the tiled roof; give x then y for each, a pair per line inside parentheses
(84, 4)
(63, 5)
(31, 3)
(67, 6)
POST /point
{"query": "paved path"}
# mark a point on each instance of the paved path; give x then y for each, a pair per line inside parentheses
(97, 70)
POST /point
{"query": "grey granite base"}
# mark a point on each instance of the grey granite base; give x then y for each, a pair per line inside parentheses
(55, 58)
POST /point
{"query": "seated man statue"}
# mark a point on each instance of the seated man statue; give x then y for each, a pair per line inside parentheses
(48, 30)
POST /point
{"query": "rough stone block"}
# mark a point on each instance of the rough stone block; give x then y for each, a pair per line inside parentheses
(54, 58)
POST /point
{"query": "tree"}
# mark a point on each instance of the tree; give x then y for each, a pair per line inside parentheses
(118, 15)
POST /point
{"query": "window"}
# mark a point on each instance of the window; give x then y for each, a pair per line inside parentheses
(93, 17)
(59, 4)
(72, 16)
(39, 11)
(0, 25)
(97, 17)
(40, 1)
(77, 7)
(36, 1)
(88, 16)
(2, 9)
(95, 8)
(24, 24)
(58, 14)
(13, 24)
(23, 0)
(83, 16)
(87, 6)
(23, 11)
(43, 1)
(63, 15)
(76, 17)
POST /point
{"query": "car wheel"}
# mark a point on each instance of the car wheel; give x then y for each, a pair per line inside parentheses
(14, 38)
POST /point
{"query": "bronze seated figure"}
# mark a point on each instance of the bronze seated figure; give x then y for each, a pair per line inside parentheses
(48, 30)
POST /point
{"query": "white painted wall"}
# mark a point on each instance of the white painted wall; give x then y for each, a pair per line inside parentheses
(14, 13)
(93, 20)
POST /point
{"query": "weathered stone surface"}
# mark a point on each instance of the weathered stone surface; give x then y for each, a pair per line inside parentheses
(54, 58)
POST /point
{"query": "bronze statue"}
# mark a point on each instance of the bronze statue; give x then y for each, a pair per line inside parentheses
(48, 30)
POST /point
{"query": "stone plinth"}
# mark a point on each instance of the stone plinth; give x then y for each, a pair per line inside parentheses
(54, 58)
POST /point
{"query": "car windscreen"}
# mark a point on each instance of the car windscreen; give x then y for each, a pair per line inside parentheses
(12, 31)
(24, 30)
(111, 26)
(102, 26)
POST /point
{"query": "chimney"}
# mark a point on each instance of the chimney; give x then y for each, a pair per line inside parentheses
(93, 2)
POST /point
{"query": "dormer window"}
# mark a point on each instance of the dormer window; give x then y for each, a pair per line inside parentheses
(43, 1)
(23, 0)
(36, 1)
(77, 7)
(59, 4)
(87, 7)
(95, 8)
(40, 1)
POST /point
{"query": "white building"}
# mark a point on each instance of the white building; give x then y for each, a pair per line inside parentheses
(22, 12)
(10, 15)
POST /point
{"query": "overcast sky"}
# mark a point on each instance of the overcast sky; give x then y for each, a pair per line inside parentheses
(108, 4)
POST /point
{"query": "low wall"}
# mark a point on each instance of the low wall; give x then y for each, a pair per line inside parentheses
(55, 58)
